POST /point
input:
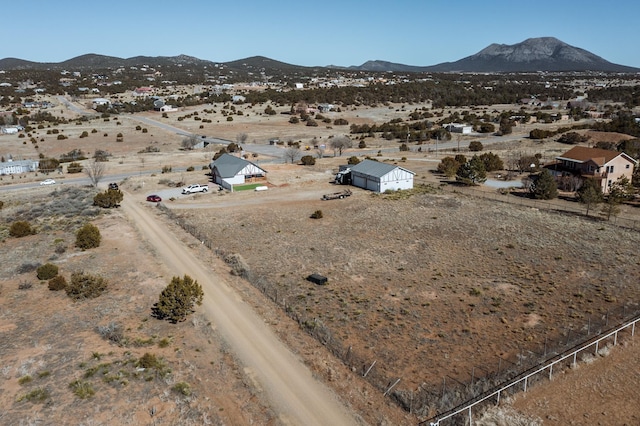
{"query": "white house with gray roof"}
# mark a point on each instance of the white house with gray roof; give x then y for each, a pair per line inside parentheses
(19, 166)
(229, 170)
(380, 177)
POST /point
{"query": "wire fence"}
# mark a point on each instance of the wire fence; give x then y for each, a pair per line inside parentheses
(550, 205)
(455, 389)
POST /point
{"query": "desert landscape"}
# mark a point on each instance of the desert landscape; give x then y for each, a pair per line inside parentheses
(429, 291)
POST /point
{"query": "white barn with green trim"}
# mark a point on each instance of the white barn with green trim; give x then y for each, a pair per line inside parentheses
(380, 177)
(228, 170)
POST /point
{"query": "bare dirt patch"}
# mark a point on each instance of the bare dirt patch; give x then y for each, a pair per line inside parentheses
(50, 341)
(434, 285)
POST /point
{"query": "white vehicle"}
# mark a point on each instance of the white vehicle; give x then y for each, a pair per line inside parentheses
(196, 187)
(48, 182)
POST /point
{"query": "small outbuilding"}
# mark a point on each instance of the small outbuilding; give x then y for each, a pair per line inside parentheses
(380, 177)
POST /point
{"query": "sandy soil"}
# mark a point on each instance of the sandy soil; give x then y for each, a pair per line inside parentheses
(443, 281)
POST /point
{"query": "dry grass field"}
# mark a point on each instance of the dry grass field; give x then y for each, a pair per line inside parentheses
(432, 286)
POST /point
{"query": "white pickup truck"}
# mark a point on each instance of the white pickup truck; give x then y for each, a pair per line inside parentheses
(196, 187)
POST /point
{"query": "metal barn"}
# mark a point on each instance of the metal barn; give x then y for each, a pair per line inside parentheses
(380, 177)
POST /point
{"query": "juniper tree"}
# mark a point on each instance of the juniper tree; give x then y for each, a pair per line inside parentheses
(178, 299)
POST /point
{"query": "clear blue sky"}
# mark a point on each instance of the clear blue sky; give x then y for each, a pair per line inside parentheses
(319, 32)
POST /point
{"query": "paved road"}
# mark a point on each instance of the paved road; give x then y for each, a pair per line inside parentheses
(296, 397)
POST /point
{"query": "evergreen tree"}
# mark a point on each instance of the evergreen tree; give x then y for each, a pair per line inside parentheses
(108, 199)
(178, 299)
(88, 237)
(589, 194)
(472, 172)
(544, 186)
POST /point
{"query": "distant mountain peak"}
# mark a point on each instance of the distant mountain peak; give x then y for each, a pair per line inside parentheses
(531, 55)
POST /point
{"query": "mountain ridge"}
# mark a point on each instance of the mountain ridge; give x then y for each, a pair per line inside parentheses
(531, 55)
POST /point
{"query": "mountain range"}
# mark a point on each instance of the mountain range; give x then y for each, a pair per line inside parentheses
(531, 55)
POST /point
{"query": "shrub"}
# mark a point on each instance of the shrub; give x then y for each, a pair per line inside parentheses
(475, 146)
(74, 168)
(84, 134)
(340, 122)
(182, 388)
(108, 199)
(27, 267)
(190, 168)
(36, 395)
(178, 299)
(353, 160)
(21, 229)
(317, 214)
(82, 390)
(312, 123)
(112, 332)
(57, 283)
(166, 169)
(294, 120)
(47, 271)
(61, 137)
(88, 237)
(85, 286)
(362, 144)
(308, 160)
(25, 285)
(229, 118)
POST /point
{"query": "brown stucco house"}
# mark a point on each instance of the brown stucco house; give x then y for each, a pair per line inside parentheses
(593, 163)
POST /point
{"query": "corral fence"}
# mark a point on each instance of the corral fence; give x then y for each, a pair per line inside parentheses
(544, 369)
(456, 389)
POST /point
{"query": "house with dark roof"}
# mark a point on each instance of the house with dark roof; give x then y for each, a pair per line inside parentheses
(603, 165)
(380, 177)
(228, 170)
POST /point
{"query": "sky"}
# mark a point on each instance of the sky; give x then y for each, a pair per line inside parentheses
(313, 33)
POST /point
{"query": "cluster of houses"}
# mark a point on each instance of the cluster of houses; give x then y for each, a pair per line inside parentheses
(604, 166)
(228, 170)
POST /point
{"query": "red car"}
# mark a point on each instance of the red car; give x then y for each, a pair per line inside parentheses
(154, 198)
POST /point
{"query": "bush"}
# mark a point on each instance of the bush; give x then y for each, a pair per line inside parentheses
(317, 214)
(475, 146)
(74, 168)
(88, 237)
(178, 299)
(362, 144)
(340, 122)
(108, 199)
(47, 271)
(21, 229)
(112, 332)
(353, 160)
(85, 286)
(82, 390)
(84, 134)
(182, 388)
(308, 160)
(57, 283)
(312, 123)
(190, 168)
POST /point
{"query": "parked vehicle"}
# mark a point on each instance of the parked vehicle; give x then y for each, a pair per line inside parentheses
(154, 198)
(113, 186)
(196, 187)
(337, 195)
(48, 182)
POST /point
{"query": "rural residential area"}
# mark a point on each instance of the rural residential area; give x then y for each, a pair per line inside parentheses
(194, 243)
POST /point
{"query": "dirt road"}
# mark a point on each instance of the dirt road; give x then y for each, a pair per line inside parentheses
(295, 395)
